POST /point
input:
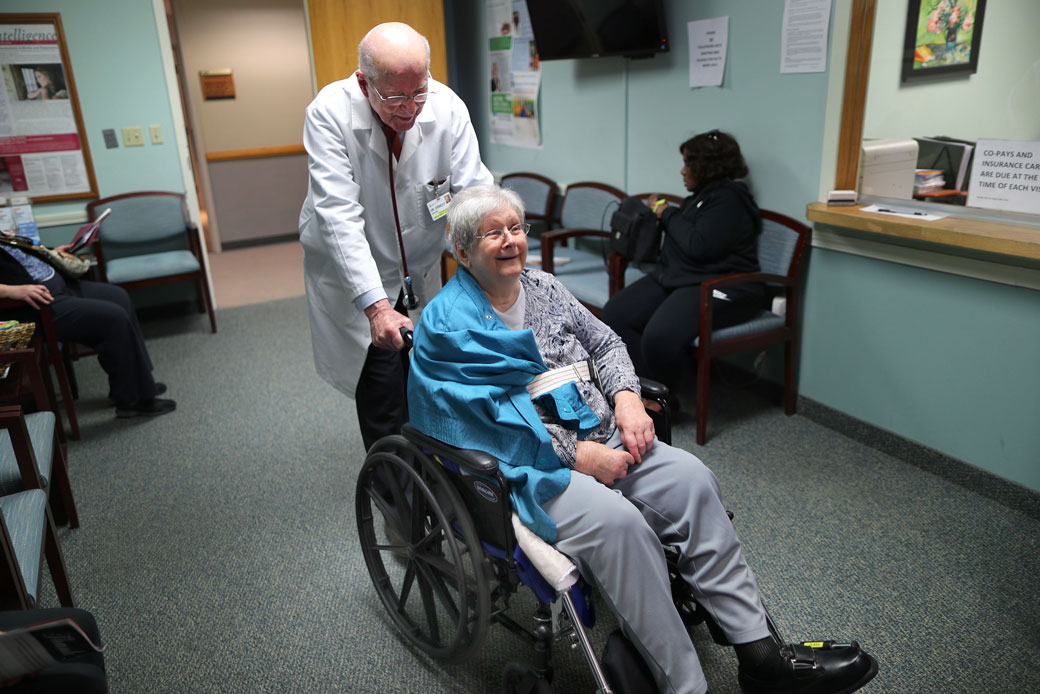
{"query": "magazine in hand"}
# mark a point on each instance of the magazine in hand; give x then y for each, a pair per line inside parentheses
(88, 232)
(30, 649)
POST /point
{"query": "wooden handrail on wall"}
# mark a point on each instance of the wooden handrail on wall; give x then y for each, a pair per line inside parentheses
(255, 153)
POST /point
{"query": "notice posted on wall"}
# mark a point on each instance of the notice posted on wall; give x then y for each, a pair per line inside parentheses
(40, 149)
(708, 39)
(1006, 176)
(515, 75)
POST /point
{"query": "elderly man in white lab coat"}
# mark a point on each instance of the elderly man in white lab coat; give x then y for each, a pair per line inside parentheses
(371, 250)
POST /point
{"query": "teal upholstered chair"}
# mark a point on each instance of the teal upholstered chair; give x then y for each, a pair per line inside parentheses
(45, 447)
(27, 532)
(583, 268)
(781, 254)
(147, 240)
(539, 195)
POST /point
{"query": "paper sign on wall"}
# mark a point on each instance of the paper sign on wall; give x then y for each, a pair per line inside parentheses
(1006, 176)
(708, 38)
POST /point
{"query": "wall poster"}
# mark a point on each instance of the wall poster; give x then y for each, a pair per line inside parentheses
(43, 148)
(515, 75)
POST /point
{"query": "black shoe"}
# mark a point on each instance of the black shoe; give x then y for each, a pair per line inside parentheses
(160, 388)
(823, 668)
(146, 408)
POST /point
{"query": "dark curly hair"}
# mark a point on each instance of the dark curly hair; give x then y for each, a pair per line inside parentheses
(713, 156)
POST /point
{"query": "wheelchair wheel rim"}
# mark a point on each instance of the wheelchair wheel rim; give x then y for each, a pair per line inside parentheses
(431, 582)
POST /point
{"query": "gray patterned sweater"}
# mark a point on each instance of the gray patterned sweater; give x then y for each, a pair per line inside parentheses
(566, 332)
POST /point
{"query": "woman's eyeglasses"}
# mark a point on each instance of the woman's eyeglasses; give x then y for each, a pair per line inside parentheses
(499, 234)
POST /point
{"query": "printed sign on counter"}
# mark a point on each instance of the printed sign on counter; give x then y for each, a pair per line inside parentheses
(1006, 176)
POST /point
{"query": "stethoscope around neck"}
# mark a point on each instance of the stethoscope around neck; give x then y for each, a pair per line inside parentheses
(411, 302)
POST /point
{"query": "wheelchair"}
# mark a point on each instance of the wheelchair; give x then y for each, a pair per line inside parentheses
(445, 555)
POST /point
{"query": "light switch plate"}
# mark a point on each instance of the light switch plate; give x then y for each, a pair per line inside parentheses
(133, 136)
(110, 138)
(155, 132)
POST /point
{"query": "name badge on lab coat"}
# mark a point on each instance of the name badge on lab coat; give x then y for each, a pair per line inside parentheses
(438, 207)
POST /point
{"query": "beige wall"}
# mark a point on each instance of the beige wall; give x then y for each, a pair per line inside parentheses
(265, 43)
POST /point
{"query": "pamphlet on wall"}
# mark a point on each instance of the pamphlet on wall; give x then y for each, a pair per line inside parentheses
(27, 650)
(24, 220)
(7, 225)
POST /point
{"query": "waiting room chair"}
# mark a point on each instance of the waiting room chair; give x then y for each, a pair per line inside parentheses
(44, 439)
(539, 195)
(149, 240)
(584, 268)
(27, 533)
(781, 255)
(57, 355)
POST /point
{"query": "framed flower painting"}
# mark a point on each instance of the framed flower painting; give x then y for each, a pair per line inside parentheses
(942, 38)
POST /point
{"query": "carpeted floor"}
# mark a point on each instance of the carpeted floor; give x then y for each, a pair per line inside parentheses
(218, 546)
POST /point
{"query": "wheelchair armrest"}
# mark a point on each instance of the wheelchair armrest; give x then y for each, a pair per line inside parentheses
(474, 461)
(653, 390)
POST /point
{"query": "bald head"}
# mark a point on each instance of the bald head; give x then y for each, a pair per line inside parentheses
(393, 49)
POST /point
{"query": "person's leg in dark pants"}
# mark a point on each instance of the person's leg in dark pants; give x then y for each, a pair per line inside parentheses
(669, 334)
(101, 316)
(382, 391)
(628, 312)
(381, 396)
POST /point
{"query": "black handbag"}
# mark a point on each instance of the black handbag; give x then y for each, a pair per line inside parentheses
(635, 232)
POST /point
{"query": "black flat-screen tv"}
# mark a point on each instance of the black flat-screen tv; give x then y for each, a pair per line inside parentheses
(597, 28)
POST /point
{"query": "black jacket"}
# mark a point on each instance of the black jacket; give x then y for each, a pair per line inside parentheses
(713, 232)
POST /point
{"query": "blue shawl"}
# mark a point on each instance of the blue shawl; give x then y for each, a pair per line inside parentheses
(467, 388)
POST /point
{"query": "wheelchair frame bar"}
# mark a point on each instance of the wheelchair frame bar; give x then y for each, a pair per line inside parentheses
(583, 641)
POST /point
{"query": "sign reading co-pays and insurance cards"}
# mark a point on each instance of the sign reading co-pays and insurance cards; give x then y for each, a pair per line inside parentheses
(1005, 175)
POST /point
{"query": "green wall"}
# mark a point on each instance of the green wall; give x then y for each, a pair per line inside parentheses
(621, 122)
(943, 360)
(114, 50)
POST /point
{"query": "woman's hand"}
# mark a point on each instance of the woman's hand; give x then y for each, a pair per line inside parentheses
(635, 425)
(36, 295)
(604, 463)
(652, 201)
(64, 249)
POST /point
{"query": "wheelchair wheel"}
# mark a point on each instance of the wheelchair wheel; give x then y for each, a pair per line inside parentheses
(422, 551)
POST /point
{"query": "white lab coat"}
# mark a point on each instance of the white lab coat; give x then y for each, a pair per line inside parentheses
(347, 223)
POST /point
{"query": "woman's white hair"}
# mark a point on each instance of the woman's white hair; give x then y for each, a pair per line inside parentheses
(470, 207)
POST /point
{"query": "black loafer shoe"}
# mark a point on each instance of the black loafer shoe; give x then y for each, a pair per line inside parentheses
(146, 408)
(820, 667)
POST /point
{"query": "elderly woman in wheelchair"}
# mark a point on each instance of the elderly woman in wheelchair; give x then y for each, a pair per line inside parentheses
(507, 362)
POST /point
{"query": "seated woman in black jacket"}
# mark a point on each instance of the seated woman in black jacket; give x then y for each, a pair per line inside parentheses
(714, 232)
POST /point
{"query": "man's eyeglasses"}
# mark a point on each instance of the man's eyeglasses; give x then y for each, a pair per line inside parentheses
(398, 100)
(499, 234)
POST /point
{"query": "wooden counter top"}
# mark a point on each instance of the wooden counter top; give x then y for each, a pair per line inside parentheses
(991, 237)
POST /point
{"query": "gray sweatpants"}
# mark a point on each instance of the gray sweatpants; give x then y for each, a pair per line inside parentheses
(615, 534)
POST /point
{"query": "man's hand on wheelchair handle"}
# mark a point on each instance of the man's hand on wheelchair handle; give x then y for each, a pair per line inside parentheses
(604, 463)
(386, 324)
(635, 425)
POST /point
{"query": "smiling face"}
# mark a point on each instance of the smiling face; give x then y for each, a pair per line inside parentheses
(406, 82)
(496, 265)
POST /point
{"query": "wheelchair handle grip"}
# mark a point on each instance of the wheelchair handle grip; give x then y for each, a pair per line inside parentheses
(406, 335)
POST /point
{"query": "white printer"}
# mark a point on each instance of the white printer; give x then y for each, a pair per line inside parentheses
(887, 167)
